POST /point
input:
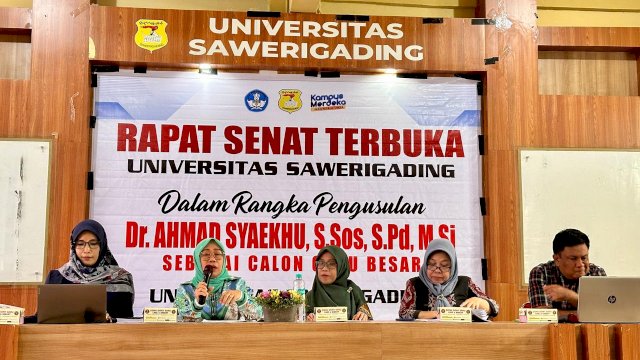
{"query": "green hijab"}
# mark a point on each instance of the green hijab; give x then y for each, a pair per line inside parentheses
(216, 282)
(343, 292)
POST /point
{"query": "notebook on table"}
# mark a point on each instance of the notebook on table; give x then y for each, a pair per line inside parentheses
(72, 303)
(609, 299)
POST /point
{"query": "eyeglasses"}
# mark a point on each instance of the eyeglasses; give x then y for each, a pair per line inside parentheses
(442, 268)
(329, 264)
(93, 244)
(207, 255)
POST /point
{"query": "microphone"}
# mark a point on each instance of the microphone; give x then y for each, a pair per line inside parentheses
(207, 275)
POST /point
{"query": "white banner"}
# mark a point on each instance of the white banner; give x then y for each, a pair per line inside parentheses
(278, 166)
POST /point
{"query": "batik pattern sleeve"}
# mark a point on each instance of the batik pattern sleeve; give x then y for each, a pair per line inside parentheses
(364, 308)
(408, 302)
(537, 279)
(188, 310)
(247, 305)
(475, 291)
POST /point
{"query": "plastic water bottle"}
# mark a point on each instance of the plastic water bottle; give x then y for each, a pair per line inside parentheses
(298, 285)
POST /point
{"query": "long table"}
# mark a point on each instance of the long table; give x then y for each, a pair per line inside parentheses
(349, 340)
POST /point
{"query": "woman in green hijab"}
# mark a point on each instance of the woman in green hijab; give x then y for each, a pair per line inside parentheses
(226, 297)
(332, 287)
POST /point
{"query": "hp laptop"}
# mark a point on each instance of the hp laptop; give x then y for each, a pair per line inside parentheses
(609, 299)
(72, 303)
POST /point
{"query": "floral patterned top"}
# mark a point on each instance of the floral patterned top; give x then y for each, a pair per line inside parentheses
(245, 308)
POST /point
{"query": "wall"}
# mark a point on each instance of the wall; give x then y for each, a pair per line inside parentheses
(54, 103)
(600, 13)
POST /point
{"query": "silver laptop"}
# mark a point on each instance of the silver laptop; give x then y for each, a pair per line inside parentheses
(72, 303)
(609, 299)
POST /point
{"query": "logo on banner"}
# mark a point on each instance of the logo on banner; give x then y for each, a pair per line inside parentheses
(290, 100)
(256, 100)
(151, 34)
(328, 102)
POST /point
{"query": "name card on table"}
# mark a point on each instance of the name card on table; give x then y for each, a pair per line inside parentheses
(160, 315)
(11, 315)
(454, 314)
(331, 313)
(537, 315)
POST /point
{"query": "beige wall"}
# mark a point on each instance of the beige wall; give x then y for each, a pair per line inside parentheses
(600, 13)
(16, 3)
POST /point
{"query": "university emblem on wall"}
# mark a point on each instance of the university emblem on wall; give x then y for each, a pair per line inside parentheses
(151, 34)
(290, 100)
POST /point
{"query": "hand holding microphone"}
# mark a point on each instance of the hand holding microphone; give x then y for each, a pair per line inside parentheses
(203, 288)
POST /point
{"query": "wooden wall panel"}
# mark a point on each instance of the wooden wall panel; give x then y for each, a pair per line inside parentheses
(441, 54)
(12, 18)
(54, 104)
(15, 56)
(59, 102)
(511, 295)
(563, 341)
(598, 342)
(9, 342)
(587, 122)
(587, 73)
(627, 340)
(24, 296)
(13, 102)
(510, 110)
(589, 37)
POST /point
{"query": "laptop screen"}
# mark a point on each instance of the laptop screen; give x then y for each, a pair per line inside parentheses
(608, 299)
(72, 303)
